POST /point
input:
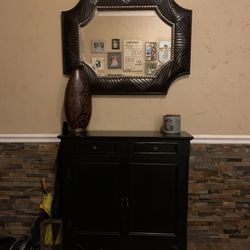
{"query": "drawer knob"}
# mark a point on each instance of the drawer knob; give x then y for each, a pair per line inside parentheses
(155, 148)
(94, 147)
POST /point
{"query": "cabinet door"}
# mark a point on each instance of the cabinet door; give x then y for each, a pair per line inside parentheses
(95, 198)
(152, 194)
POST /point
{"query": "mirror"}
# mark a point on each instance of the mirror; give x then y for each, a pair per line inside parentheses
(114, 51)
(127, 47)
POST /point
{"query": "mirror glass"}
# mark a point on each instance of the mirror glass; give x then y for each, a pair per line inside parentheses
(126, 43)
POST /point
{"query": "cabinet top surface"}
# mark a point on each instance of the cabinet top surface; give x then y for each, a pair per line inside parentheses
(128, 134)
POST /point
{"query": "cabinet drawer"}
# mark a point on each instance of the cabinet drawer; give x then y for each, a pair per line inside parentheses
(153, 151)
(92, 151)
(96, 148)
(155, 148)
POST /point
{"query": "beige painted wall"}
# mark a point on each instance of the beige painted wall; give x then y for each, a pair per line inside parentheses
(214, 99)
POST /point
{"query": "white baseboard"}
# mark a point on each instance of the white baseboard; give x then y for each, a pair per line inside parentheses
(28, 138)
(221, 139)
(52, 138)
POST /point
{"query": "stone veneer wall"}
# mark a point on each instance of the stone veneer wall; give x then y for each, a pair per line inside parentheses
(219, 191)
(219, 188)
(22, 165)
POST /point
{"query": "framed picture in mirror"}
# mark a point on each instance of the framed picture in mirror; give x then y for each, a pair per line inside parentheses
(115, 43)
(98, 63)
(98, 46)
(114, 60)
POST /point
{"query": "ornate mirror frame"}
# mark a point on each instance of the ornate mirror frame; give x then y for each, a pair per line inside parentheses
(180, 20)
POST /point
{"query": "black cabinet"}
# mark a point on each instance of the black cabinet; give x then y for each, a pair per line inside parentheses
(125, 190)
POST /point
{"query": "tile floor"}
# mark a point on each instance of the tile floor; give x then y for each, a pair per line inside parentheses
(238, 245)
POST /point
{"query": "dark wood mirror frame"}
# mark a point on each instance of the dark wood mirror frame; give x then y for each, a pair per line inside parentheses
(171, 13)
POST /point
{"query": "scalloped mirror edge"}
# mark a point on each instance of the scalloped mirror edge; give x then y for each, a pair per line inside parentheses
(168, 10)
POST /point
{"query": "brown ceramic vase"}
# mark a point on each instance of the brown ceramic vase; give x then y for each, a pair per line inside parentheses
(77, 102)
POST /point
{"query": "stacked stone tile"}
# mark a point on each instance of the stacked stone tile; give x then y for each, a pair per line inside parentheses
(219, 188)
(21, 168)
(219, 191)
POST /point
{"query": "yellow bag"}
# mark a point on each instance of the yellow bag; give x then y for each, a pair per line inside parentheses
(46, 206)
